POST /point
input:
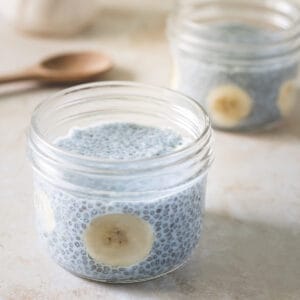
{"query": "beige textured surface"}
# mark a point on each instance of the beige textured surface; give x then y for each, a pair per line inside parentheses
(250, 245)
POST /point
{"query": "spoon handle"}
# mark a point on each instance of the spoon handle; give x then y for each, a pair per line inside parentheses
(20, 76)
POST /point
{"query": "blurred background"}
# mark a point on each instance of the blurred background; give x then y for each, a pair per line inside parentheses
(119, 28)
(251, 240)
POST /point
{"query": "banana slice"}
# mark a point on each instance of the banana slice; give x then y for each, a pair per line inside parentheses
(287, 97)
(228, 105)
(118, 239)
(44, 210)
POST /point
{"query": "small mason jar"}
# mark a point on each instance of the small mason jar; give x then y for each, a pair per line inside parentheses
(76, 195)
(239, 59)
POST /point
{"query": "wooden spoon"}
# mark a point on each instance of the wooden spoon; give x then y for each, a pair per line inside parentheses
(65, 68)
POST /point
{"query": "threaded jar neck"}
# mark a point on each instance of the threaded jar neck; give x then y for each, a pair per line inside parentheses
(197, 28)
(89, 104)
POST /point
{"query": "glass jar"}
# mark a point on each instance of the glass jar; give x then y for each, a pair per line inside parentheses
(239, 59)
(162, 195)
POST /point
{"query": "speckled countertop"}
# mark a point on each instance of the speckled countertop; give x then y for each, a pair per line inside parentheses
(251, 241)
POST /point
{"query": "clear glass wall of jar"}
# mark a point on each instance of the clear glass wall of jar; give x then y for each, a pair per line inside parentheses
(239, 59)
(164, 195)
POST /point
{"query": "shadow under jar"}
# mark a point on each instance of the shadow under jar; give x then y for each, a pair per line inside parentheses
(119, 179)
(239, 59)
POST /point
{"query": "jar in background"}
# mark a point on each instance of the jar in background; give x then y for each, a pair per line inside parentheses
(158, 200)
(239, 59)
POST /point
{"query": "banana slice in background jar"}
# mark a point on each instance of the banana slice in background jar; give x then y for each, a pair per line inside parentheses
(228, 105)
(118, 239)
(287, 97)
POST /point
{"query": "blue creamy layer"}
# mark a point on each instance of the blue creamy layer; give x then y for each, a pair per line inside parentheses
(121, 141)
(176, 219)
(197, 78)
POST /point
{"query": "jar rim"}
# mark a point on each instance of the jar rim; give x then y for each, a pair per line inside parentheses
(127, 165)
(186, 30)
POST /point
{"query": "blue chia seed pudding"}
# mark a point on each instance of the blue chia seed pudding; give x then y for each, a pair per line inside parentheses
(239, 84)
(126, 239)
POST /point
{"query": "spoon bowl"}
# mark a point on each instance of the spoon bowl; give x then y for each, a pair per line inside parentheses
(65, 68)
